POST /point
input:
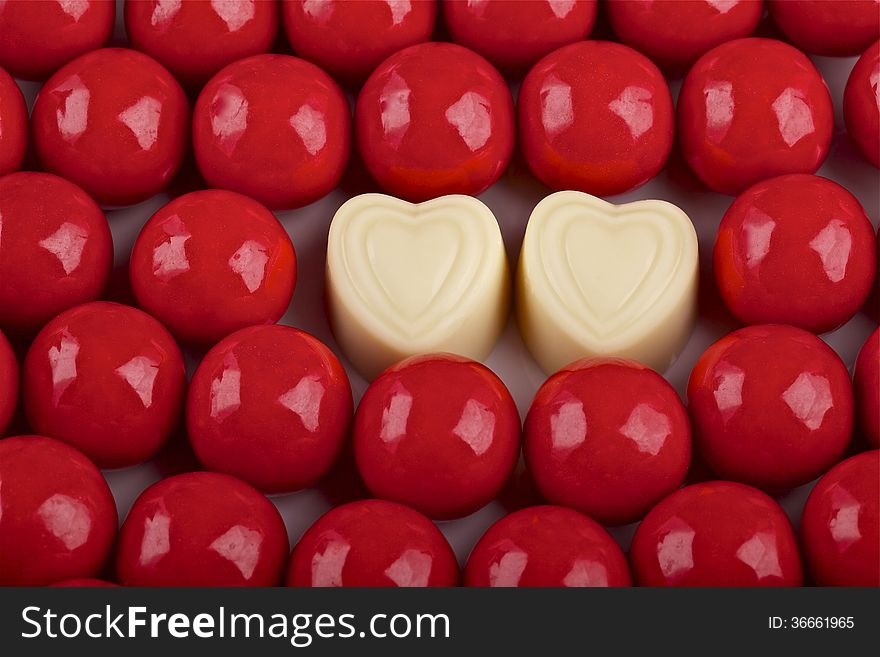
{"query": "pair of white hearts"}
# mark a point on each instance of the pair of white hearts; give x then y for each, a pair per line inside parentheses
(594, 279)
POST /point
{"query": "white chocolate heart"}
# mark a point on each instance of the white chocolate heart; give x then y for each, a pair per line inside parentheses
(406, 279)
(597, 279)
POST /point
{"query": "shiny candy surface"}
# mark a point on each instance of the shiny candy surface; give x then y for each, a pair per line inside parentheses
(201, 529)
(861, 104)
(56, 249)
(13, 125)
(607, 437)
(439, 433)
(595, 116)
(84, 582)
(752, 109)
(107, 379)
(210, 263)
(435, 119)
(797, 250)
(717, 533)
(866, 385)
(838, 28)
(8, 383)
(372, 543)
(271, 405)
(546, 546)
(114, 122)
(57, 515)
(771, 406)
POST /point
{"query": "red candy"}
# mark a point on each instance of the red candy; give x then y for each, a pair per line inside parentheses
(866, 385)
(439, 433)
(271, 405)
(840, 527)
(39, 37)
(84, 582)
(716, 534)
(194, 40)
(675, 33)
(107, 379)
(8, 383)
(515, 35)
(350, 39)
(771, 406)
(607, 437)
(546, 546)
(13, 124)
(595, 116)
(861, 104)
(798, 250)
(210, 263)
(839, 28)
(114, 122)
(435, 119)
(56, 249)
(372, 543)
(59, 517)
(201, 529)
(752, 109)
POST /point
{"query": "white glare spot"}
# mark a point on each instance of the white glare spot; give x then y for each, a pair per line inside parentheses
(304, 399)
(74, 8)
(476, 426)
(62, 361)
(142, 119)
(394, 106)
(568, 426)
(395, 416)
(633, 106)
(155, 542)
(729, 381)
(557, 112)
(844, 524)
(240, 546)
(561, 8)
(508, 570)
(73, 117)
(760, 554)
(719, 109)
(235, 13)
(67, 519)
(399, 10)
(249, 262)
(586, 573)
(327, 565)
(309, 125)
(793, 115)
(833, 244)
(809, 398)
(164, 11)
(411, 569)
(229, 115)
(675, 552)
(647, 428)
(226, 390)
(140, 373)
(470, 116)
(722, 6)
(67, 244)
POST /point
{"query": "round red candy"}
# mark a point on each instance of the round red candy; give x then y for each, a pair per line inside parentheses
(675, 33)
(752, 109)
(607, 437)
(717, 533)
(273, 127)
(515, 35)
(439, 433)
(201, 529)
(270, 405)
(58, 516)
(861, 104)
(38, 37)
(771, 406)
(546, 546)
(350, 39)
(828, 27)
(56, 249)
(595, 116)
(435, 119)
(13, 124)
(114, 122)
(84, 582)
(866, 385)
(372, 543)
(107, 379)
(840, 526)
(796, 249)
(8, 383)
(210, 263)
(194, 40)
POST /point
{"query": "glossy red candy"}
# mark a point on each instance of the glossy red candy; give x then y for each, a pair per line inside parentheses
(114, 122)
(796, 249)
(546, 546)
(84, 582)
(350, 39)
(58, 516)
(839, 28)
(107, 379)
(13, 124)
(372, 543)
(861, 104)
(8, 383)
(866, 385)
(194, 40)
(37, 38)
(771, 406)
(210, 263)
(515, 35)
(595, 116)
(439, 433)
(752, 109)
(607, 437)
(840, 527)
(201, 529)
(56, 251)
(717, 533)
(270, 405)
(435, 119)
(675, 33)
(273, 127)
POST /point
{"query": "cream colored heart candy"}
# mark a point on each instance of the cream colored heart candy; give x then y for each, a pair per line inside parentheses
(597, 279)
(406, 279)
